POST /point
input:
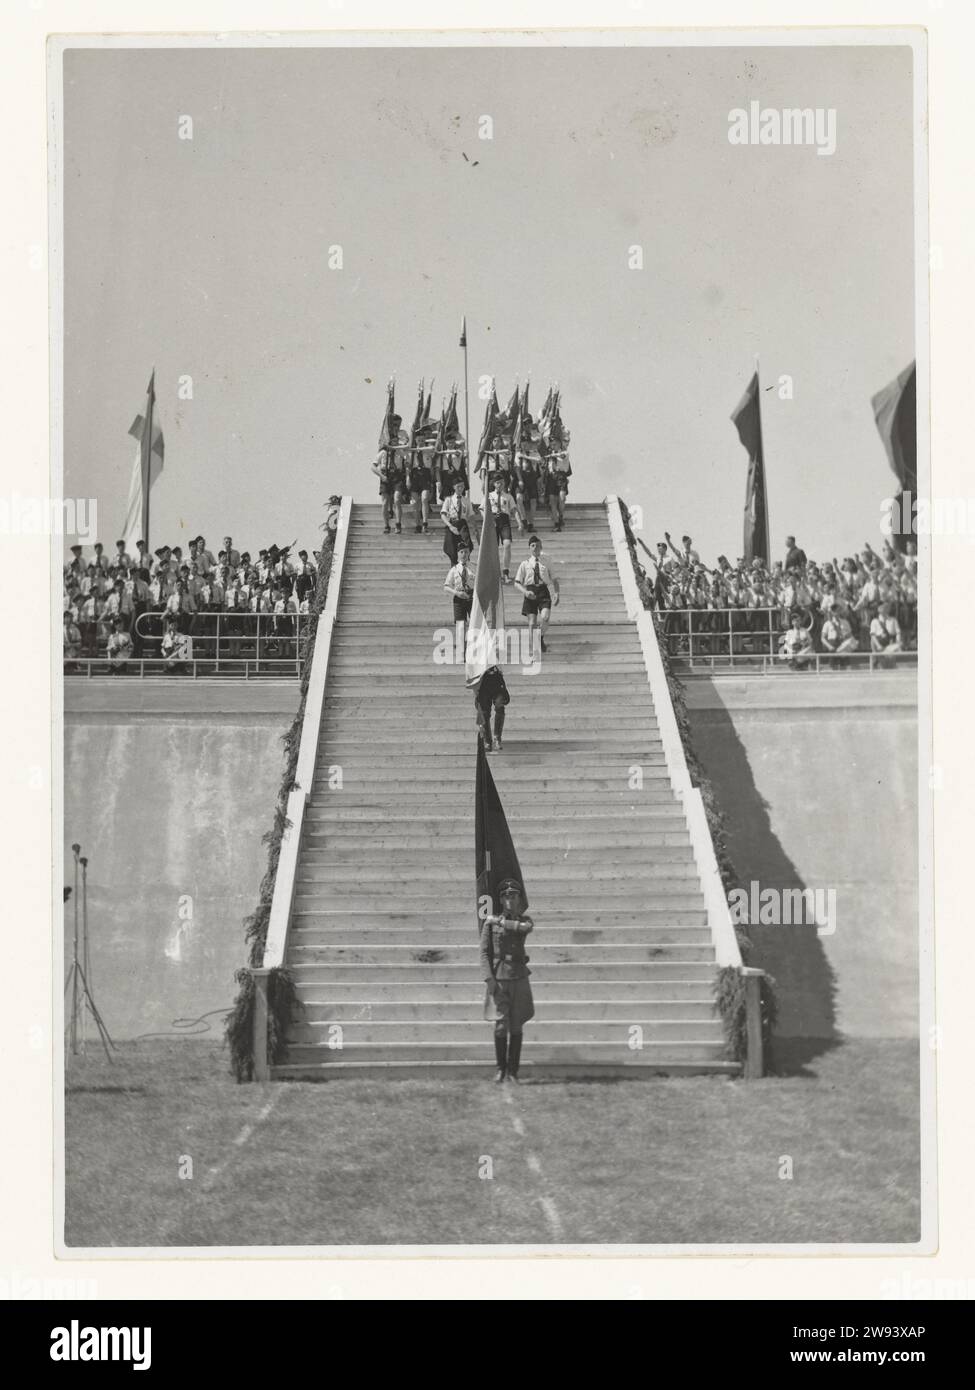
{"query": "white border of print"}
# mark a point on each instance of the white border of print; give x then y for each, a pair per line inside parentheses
(57, 46)
(695, 1278)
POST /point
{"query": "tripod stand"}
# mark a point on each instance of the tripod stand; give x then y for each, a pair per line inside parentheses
(82, 1000)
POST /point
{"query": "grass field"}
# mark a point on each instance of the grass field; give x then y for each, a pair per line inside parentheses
(690, 1160)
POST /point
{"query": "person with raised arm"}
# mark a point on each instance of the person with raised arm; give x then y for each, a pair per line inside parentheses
(508, 1003)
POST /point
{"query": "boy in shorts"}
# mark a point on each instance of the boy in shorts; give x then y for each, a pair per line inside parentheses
(503, 506)
(540, 589)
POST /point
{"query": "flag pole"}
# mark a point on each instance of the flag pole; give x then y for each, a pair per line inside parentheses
(761, 445)
(150, 407)
(467, 417)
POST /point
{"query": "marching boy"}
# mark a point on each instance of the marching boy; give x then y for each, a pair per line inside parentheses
(508, 1003)
(535, 581)
(503, 506)
(419, 485)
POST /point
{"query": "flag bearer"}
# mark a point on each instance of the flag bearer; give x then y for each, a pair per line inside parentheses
(419, 485)
(491, 694)
(391, 473)
(526, 487)
(508, 1003)
(557, 486)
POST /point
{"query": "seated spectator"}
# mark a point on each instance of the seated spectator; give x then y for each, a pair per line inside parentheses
(795, 646)
(72, 637)
(118, 647)
(176, 646)
(836, 635)
(885, 634)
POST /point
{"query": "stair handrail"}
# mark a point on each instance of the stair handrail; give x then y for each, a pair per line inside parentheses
(722, 929)
(282, 901)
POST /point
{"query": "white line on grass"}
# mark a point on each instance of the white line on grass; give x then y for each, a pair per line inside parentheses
(242, 1139)
(535, 1164)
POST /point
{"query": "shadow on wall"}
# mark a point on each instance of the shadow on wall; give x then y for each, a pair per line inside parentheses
(793, 955)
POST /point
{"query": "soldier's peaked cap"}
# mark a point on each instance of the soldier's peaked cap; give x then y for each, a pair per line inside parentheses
(510, 884)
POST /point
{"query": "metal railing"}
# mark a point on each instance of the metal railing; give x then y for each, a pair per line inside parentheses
(221, 643)
(138, 667)
(725, 638)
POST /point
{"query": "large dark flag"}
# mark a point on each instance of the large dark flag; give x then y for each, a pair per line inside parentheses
(145, 470)
(490, 425)
(389, 433)
(452, 433)
(487, 610)
(895, 411)
(494, 853)
(747, 419)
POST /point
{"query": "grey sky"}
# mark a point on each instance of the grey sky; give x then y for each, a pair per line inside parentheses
(209, 258)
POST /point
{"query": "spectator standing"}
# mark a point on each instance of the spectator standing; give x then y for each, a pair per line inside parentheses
(795, 559)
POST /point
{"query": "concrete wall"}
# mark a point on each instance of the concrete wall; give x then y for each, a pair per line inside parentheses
(817, 776)
(169, 787)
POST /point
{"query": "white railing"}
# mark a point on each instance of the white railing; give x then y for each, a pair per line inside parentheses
(282, 901)
(719, 917)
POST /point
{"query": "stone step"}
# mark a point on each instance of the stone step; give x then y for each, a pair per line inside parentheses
(672, 865)
(446, 828)
(435, 1031)
(349, 805)
(482, 1071)
(362, 976)
(423, 919)
(615, 998)
(348, 846)
(404, 863)
(534, 782)
(440, 953)
(461, 933)
(465, 1011)
(548, 901)
(557, 1051)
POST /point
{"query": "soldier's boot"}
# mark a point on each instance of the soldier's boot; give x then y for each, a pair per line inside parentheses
(514, 1056)
(501, 1054)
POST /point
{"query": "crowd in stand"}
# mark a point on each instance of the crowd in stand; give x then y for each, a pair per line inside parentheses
(792, 608)
(164, 604)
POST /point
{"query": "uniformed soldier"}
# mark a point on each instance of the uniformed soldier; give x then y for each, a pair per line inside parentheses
(508, 1003)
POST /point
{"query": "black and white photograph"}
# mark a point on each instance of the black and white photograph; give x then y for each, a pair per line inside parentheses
(494, 585)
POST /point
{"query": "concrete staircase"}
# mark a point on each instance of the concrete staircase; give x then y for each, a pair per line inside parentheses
(382, 940)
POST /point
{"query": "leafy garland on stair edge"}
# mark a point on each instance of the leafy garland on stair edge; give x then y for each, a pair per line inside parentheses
(729, 986)
(282, 997)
